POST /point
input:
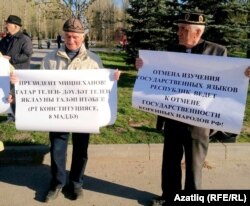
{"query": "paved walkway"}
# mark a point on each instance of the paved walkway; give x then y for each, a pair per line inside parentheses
(38, 54)
(116, 175)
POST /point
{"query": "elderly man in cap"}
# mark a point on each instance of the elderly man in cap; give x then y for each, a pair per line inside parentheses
(16, 47)
(180, 138)
(73, 56)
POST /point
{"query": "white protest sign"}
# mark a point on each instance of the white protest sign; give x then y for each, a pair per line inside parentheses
(4, 85)
(65, 100)
(201, 90)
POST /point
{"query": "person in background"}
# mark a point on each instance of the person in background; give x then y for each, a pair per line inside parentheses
(59, 41)
(48, 44)
(26, 33)
(86, 41)
(181, 138)
(91, 54)
(39, 40)
(17, 48)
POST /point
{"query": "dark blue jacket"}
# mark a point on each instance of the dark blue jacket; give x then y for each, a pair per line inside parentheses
(19, 48)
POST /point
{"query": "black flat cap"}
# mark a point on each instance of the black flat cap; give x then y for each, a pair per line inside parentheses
(14, 20)
(191, 18)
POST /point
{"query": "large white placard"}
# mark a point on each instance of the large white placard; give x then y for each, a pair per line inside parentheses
(201, 90)
(65, 100)
(4, 85)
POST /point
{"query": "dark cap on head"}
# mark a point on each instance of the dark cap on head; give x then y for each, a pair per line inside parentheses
(14, 20)
(73, 25)
(192, 18)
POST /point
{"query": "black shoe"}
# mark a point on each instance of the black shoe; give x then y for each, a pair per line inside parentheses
(158, 201)
(77, 193)
(53, 194)
(10, 119)
(73, 193)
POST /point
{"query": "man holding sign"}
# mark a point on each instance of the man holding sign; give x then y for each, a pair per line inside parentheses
(72, 56)
(181, 137)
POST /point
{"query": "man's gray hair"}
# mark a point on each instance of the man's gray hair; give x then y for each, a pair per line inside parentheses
(194, 26)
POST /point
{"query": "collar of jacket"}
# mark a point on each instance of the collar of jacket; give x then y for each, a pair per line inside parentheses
(201, 41)
(81, 55)
(199, 47)
(18, 34)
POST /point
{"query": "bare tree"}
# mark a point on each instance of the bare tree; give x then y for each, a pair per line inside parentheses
(103, 18)
(46, 17)
(125, 4)
(77, 8)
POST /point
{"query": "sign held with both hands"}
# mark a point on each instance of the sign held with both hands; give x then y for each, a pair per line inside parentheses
(65, 100)
(201, 90)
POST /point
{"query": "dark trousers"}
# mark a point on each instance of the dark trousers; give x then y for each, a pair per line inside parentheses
(58, 151)
(11, 116)
(182, 139)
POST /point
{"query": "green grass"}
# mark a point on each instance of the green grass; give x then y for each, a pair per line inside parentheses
(131, 126)
(245, 134)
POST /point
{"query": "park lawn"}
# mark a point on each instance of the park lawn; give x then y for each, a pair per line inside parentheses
(244, 136)
(131, 126)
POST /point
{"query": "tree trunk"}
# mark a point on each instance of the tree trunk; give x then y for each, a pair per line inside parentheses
(248, 47)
